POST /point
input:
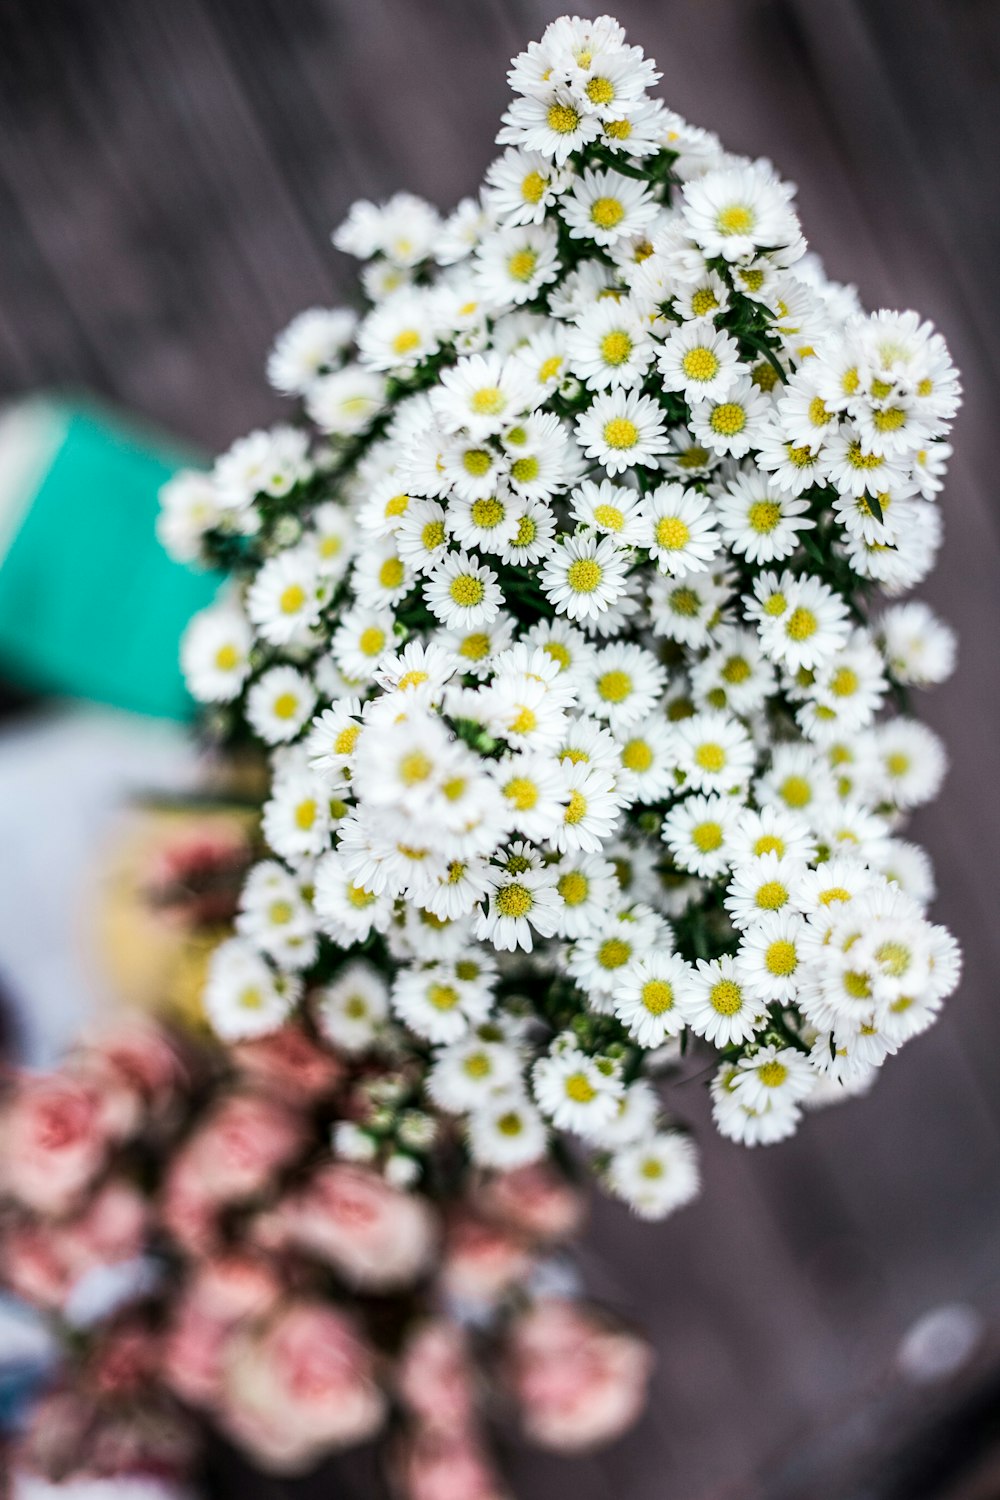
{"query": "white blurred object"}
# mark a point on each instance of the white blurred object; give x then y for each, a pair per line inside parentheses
(939, 1343)
(128, 1487)
(65, 776)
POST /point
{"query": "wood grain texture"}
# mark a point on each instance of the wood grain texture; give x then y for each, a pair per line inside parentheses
(169, 174)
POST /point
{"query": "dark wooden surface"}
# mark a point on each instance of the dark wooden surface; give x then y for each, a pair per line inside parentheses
(169, 174)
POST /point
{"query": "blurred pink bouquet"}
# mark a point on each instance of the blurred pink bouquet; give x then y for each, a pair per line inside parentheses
(178, 1214)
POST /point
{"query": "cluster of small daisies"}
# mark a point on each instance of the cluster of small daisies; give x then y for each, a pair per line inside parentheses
(558, 621)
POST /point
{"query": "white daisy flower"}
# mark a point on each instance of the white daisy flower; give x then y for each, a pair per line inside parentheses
(422, 535)
(612, 510)
(276, 918)
(511, 266)
(215, 653)
(771, 830)
(648, 997)
(736, 211)
(462, 592)
(279, 703)
(623, 685)
(767, 883)
(465, 1075)
(330, 539)
(719, 1004)
(362, 639)
(584, 574)
(919, 648)
(622, 430)
(534, 791)
(313, 342)
(400, 332)
(759, 521)
(586, 885)
(522, 185)
(262, 463)
(506, 1133)
(802, 622)
(577, 1092)
(774, 1076)
(700, 361)
(298, 815)
(347, 401)
(554, 125)
(646, 772)
(911, 762)
(609, 346)
(591, 813)
(682, 534)
(352, 1009)
(604, 206)
(482, 394)
(700, 832)
(346, 910)
(243, 996)
(656, 1176)
(739, 1121)
(771, 958)
(732, 424)
(431, 1003)
(522, 903)
(714, 752)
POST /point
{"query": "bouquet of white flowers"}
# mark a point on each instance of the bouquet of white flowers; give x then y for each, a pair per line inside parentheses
(556, 616)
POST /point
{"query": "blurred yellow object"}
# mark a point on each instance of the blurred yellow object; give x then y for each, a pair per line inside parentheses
(154, 933)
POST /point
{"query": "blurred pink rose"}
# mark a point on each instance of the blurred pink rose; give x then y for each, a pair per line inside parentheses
(435, 1376)
(482, 1261)
(377, 1236)
(579, 1382)
(290, 1065)
(441, 1466)
(235, 1153)
(139, 1058)
(44, 1263)
(222, 1294)
(54, 1140)
(535, 1199)
(298, 1386)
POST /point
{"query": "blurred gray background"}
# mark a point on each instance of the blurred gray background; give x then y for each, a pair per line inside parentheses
(169, 175)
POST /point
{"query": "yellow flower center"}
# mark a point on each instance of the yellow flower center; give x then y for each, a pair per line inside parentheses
(562, 118)
(796, 791)
(466, 591)
(573, 887)
(487, 513)
(672, 533)
(764, 516)
(415, 767)
(600, 90)
(521, 265)
(772, 1074)
(305, 814)
(432, 535)
(285, 706)
(346, 739)
(580, 1089)
(707, 836)
(613, 953)
(584, 575)
(488, 401)
(725, 997)
(801, 624)
(391, 573)
(522, 793)
(292, 599)
(514, 901)
(524, 470)
(615, 347)
(576, 809)
(657, 996)
(621, 433)
(372, 641)
(637, 755)
(614, 686)
(703, 301)
(226, 658)
(405, 340)
(532, 187)
(607, 212)
(771, 896)
(477, 461)
(738, 218)
(685, 602)
(443, 996)
(609, 516)
(475, 647)
(781, 958)
(728, 419)
(710, 757)
(700, 364)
